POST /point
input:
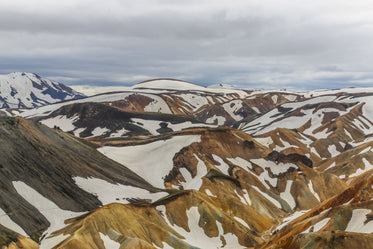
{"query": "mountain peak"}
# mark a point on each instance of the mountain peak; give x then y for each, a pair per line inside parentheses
(26, 90)
(24, 74)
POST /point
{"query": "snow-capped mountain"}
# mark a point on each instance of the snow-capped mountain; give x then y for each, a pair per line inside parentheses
(160, 102)
(145, 168)
(28, 90)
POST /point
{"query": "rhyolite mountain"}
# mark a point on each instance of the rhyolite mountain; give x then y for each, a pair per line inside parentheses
(162, 103)
(151, 168)
(28, 90)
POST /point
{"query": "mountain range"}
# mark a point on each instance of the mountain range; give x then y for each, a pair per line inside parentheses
(169, 164)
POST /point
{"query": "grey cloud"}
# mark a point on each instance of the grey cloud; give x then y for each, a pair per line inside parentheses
(159, 25)
(256, 48)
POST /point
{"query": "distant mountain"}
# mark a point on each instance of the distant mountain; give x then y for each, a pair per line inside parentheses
(221, 85)
(102, 120)
(28, 90)
(169, 97)
(168, 84)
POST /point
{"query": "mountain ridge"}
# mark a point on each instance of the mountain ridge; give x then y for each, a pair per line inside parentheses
(153, 169)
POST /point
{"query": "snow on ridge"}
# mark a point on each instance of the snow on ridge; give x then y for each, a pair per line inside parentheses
(108, 192)
(180, 85)
(334, 91)
(107, 97)
(64, 123)
(153, 125)
(169, 84)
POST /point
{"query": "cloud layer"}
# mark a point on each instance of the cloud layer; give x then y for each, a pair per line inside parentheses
(257, 43)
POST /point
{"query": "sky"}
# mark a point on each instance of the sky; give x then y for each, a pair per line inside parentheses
(293, 44)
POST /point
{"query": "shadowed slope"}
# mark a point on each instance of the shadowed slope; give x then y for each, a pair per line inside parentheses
(46, 160)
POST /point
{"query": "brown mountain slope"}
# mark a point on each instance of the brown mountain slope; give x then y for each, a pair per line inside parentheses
(351, 165)
(219, 107)
(242, 178)
(85, 118)
(307, 184)
(343, 220)
(12, 240)
(166, 222)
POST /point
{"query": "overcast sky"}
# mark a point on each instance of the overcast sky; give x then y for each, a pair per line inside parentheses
(247, 43)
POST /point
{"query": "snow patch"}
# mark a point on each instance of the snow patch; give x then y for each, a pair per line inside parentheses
(286, 195)
(219, 120)
(208, 192)
(152, 161)
(357, 220)
(119, 133)
(289, 219)
(232, 108)
(274, 201)
(367, 149)
(108, 192)
(63, 122)
(99, 131)
(55, 215)
(78, 131)
(310, 187)
(223, 166)
(319, 225)
(275, 168)
(7, 222)
(274, 99)
(196, 181)
(359, 171)
(241, 221)
(109, 243)
(266, 141)
(333, 150)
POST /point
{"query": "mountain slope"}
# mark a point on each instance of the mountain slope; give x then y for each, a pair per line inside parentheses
(345, 220)
(39, 167)
(12, 240)
(27, 90)
(210, 106)
(103, 120)
(298, 174)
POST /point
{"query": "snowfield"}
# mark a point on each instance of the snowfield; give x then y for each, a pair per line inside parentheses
(151, 161)
(108, 192)
(356, 224)
(197, 237)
